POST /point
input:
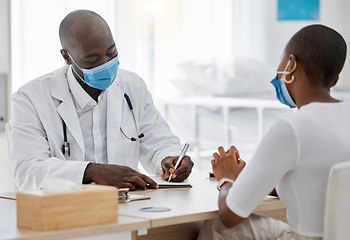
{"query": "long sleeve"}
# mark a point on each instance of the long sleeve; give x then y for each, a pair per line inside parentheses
(277, 154)
(33, 157)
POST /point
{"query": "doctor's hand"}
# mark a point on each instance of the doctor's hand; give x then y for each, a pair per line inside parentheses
(227, 164)
(116, 175)
(179, 174)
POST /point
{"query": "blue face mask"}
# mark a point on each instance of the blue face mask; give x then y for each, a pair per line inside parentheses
(281, 88)
(100, 77)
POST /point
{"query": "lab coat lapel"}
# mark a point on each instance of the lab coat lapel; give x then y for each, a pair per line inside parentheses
(68, 113)
(59, 90)
(115, 98)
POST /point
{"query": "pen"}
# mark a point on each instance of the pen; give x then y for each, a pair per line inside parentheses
(182, 154)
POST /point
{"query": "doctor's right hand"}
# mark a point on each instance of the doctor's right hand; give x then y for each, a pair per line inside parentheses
(116, 175)
(180, 174)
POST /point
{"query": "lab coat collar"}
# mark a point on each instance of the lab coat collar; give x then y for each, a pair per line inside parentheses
(60, 90)
(81, 97)
(58, 86)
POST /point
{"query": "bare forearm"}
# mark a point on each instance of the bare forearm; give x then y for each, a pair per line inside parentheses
(227, 217)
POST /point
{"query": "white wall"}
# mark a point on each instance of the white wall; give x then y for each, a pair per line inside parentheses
(333, 13)
(4, 68)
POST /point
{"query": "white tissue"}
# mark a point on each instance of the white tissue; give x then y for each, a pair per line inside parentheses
(56, 185)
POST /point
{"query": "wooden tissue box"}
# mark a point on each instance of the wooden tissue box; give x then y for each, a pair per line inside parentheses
(92, 205)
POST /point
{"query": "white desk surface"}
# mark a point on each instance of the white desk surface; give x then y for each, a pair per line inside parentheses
(186, 204)
(191, 204)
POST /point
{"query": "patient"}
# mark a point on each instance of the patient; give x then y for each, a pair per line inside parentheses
(297, 152)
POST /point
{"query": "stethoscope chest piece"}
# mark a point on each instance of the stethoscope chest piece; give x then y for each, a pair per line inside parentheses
(65, 146)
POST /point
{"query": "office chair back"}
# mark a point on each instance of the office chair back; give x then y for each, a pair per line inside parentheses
(337, 209)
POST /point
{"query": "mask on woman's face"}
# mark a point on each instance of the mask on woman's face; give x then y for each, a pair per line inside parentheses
(100, 77)
(281, 88)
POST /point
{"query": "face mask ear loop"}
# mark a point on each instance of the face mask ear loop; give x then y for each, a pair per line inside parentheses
(73, 60)
(74, 69)
(292, 79)
(78, 74)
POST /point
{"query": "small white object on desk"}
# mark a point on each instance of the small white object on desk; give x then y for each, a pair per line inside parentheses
(56, 185)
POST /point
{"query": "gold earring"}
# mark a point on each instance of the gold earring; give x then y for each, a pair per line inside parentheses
(288, 81)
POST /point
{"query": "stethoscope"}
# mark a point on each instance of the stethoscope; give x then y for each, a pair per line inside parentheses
(66, 146)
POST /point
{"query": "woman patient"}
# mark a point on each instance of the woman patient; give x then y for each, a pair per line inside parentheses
(297, 152)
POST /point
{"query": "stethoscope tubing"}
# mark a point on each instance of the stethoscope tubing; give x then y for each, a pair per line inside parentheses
(66, 146)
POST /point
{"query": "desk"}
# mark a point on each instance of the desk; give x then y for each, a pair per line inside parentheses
(189, 208)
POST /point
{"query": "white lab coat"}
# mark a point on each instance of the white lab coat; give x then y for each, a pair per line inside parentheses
(36, 134)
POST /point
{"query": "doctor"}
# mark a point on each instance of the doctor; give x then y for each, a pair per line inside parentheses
(90, 121)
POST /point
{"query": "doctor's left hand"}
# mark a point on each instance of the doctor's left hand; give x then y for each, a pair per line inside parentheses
(179, 174)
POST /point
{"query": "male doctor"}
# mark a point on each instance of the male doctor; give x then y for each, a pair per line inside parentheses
(90, 121)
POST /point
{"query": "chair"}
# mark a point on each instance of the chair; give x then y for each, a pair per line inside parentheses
(337, 209)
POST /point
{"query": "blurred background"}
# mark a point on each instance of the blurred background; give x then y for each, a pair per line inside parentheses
(207, 63)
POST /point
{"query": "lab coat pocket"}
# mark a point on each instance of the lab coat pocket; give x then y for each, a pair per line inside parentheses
(131, 148)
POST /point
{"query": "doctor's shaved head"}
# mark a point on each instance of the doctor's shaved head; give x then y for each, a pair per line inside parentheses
(321, 52)
(80, 25)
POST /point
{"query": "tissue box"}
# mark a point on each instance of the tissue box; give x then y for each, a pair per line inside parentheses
(90, 205)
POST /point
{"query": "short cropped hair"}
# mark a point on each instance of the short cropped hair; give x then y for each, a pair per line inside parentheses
(65, 30)
(321, 52)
